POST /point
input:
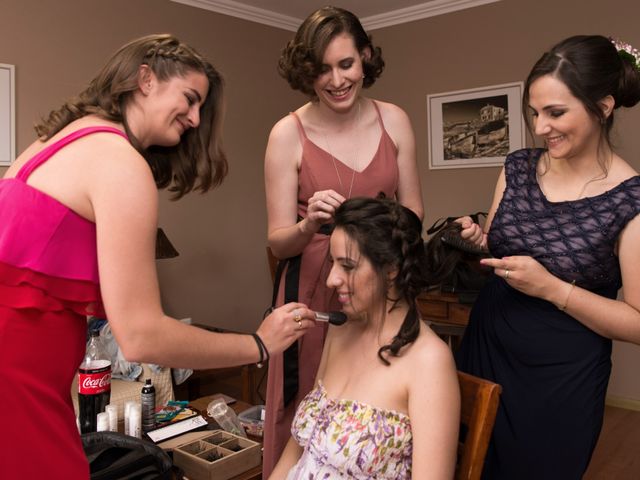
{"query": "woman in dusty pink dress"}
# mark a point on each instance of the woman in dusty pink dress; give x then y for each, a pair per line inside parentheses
(337, 146)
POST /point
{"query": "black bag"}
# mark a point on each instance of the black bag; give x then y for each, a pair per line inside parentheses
(114, 456)
(453, 262)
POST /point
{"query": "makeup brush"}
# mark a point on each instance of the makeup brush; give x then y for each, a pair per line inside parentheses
(334, 318)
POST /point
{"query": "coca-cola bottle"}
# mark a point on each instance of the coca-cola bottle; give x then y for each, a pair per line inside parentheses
(94, 383)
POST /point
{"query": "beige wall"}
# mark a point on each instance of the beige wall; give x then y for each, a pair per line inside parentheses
(221, 276)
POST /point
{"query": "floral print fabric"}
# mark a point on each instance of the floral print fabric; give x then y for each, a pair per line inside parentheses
(349, 439)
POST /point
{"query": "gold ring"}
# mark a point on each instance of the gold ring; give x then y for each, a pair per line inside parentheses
(299, 327)
(297, 317)
(506, 274)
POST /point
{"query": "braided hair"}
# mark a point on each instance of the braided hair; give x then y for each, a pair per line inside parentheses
(198, 161)
(389, 236)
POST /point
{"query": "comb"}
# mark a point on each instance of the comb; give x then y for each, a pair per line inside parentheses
(454, 240)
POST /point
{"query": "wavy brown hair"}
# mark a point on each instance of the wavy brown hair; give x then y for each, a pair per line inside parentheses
(198, 162)
(389, 236)
(301, 60)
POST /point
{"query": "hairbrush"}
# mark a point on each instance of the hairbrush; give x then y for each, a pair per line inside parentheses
(453, 239)
(334, 318)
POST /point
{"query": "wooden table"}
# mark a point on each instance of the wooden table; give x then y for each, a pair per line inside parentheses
(445, 314)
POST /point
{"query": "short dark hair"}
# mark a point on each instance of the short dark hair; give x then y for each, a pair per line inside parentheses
(389, 236)
(198, 161)
(301, 60)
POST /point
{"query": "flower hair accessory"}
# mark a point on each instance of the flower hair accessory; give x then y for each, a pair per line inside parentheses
(627, 51)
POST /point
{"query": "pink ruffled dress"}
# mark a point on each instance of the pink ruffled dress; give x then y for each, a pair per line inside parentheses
(48, 285)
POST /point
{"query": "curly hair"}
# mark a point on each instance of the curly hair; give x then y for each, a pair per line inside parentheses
(301, 60)
(198, 162)
(389, 236)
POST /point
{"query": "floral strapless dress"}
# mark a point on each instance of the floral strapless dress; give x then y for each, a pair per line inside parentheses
(349, 439)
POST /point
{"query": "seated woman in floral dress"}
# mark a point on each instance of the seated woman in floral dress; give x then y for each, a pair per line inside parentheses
(386, 401)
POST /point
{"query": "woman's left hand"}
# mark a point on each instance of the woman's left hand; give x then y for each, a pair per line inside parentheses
(522, 273)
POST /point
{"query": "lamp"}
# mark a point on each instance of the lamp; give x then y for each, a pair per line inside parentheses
(164, 249)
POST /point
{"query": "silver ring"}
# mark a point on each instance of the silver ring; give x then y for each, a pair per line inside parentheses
(506, 274)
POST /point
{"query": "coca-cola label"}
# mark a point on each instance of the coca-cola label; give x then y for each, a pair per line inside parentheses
(94, 382)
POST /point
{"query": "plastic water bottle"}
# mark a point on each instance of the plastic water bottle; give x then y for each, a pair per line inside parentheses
(225, 417)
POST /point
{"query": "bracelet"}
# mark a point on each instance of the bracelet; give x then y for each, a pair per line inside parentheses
(566, 302)
(262, 348)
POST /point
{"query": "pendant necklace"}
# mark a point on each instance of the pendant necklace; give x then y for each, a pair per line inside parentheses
(335, 166)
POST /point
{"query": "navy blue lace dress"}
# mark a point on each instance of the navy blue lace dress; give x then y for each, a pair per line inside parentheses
(553, 370)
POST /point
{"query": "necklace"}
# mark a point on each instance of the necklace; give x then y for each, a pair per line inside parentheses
(599, 176)
(333, 159)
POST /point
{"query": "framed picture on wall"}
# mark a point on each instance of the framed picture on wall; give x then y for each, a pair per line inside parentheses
(7, 114)
(476, 127)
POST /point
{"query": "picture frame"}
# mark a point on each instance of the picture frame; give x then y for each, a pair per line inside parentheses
(7, 114)
(477, 127)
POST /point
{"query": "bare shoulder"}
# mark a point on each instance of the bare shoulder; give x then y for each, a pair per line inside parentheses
(119, 177)
(397, 123)
(431, 351)
(392, 114)
(285, 129)
(115, 158)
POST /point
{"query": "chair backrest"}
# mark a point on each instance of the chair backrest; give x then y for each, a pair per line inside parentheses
(479, 404)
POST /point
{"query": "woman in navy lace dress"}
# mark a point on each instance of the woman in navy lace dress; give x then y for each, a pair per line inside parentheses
(564, 231)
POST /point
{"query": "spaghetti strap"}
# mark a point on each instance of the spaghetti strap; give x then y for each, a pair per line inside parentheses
(375, 104)
(303, 135)
(44, 154)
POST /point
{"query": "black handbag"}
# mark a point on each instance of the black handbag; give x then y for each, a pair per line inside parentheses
(454, 263)
(114, 456)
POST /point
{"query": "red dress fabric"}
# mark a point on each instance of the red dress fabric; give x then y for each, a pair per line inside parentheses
(48, 284)
(317, 172)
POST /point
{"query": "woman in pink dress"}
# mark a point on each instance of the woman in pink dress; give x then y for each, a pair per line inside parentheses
(337, 146)
(77, 237)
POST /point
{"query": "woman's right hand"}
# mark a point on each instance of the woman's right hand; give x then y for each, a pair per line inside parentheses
(472, 232)
(322, 206)
(284, 325)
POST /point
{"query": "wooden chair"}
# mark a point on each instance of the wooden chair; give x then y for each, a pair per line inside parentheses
(479, 404)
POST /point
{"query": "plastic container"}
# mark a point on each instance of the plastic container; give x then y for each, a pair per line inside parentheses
(225, 417)
(252, 419)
